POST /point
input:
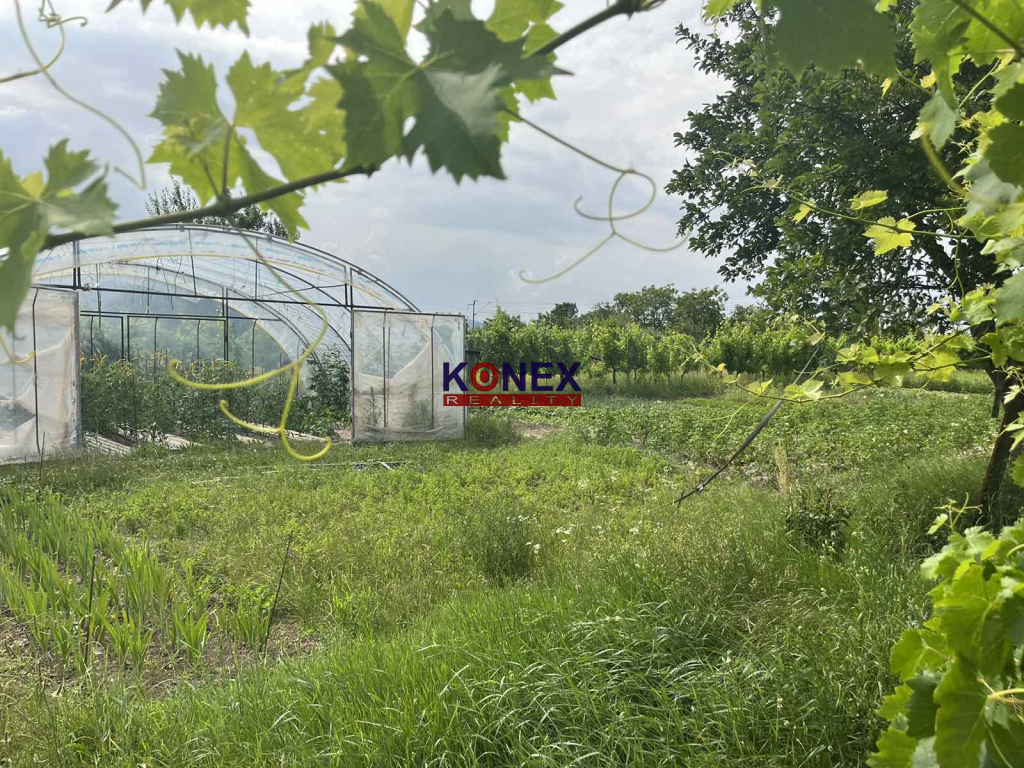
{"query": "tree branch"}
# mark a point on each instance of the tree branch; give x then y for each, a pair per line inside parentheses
(225, 207)
(620, 8)
(991, 25)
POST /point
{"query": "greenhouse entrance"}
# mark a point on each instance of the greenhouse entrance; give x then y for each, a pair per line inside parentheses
(201, 295)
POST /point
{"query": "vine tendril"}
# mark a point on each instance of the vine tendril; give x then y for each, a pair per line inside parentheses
(611, 218)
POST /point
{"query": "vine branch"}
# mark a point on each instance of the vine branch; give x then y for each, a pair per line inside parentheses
(224, 207)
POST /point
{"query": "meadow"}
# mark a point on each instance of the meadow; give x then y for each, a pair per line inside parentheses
(530, 596)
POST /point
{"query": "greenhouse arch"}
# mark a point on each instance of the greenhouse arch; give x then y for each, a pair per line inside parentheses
(199, 273)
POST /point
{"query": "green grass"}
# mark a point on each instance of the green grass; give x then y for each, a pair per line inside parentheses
(511, 601)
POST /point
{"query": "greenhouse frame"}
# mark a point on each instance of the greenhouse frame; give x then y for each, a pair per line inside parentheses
(127, 289)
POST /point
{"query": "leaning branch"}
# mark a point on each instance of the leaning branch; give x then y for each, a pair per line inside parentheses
(224, 207)
(750, 438)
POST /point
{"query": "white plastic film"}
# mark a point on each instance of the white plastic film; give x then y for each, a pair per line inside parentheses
(39, 397)
(397, 381)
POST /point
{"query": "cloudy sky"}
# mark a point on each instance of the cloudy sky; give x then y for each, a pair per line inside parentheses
(442, 244)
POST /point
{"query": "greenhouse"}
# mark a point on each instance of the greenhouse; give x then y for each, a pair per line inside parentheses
(202, 293)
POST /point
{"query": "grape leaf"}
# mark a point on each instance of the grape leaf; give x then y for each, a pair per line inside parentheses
(937, 121)
(297, 139)
(834, 34)
(868, 199)
(459, 127)
(1005, 154)
(29, 208)
(887, 239)
(895, 750)
(960, 722)
(917, 649)
(988, 193)
(921, 706)
(469, 46)
(213, 12)
(511, 18)
(399, 11)
(382, 91)
(196, 132)
(1010, 299)
(802, 214)
(1008, 94)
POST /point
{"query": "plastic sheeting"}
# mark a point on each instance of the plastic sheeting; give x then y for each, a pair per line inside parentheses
(397, 383)
(214, 262)
(39, 397)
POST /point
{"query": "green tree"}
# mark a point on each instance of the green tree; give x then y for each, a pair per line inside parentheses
(651, 307)
(699, 312)
(562, 314)
(179, 198)
(831, 138)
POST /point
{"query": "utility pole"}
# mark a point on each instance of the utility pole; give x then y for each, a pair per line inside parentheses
(473, 324)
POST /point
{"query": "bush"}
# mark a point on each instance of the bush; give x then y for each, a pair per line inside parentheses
(142, 402)
(818, 518)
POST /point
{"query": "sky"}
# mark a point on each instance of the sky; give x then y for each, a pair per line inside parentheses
(442, 244)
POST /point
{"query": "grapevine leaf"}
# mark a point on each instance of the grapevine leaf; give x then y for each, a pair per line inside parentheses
(895, 750)
(511, 18)
(1006, 152)
(1008, 94)
(29, 208)
(937, 121)
(960, 723)
(834, 34)
(469, 46)
(713, 9)
(1010, 299)
(458, 129)
(382, 91)
(917, 649)
(971, 621)
(399, 11)
(868, 199)
(1013, 609)
(883, 5)
(887, 239)
(213, 12)
(921, 707)
(988, 193)
(263, 104)
(802, 213)
(895, 704)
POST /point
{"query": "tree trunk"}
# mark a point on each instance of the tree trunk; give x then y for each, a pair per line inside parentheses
(1001, 454)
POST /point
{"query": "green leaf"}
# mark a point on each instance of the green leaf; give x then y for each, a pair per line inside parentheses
(29, 208)
(937, 121)
(1013, 609)
(921, 707)
(470, 47)
(458, 128)
(989, 193)
(196, 133)
(882, 6)
(802, 213)
(868, 199)
(1006, 152)
(971, 620)
(1010, 299)
(887, 239)
(833, 35)
(960, 723)
(302, 146)
(917, 649)
(511, 18)
(715, 8)
(216, 13)
(893, 750)
(895, 704)
(399, 11)
(1008, 94)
